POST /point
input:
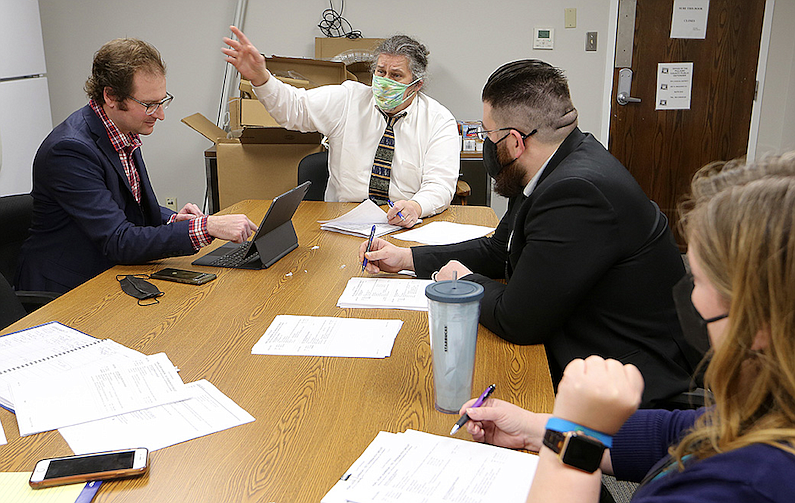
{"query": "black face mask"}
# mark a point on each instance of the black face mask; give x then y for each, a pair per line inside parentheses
(136, 286)
(694, 327)
(490, 159)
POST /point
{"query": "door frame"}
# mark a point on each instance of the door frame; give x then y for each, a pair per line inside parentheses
(761, 68)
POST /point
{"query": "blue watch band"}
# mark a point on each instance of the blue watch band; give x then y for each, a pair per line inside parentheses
(561, 425)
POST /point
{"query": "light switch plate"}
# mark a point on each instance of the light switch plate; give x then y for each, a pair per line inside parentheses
(543, 38)
(590, 41)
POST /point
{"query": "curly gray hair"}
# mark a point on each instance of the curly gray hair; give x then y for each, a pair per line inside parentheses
(402, 45)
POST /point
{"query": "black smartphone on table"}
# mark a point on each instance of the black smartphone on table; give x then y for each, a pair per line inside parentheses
(183, 276)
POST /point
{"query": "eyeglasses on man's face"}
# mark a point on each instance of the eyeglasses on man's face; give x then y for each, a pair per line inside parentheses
(151, 108)
(483, 133)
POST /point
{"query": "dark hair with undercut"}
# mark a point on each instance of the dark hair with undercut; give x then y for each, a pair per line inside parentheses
(115, 65)
(403, 45)
(531, 94)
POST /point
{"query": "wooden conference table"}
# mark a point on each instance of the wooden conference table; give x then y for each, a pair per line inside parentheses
(314, 415)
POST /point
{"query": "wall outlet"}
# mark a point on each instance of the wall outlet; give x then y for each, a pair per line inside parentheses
(171, 203)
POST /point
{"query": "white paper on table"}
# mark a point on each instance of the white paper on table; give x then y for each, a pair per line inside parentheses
(49, 350)
(328, 336)
(444, 233)
(96, 392)
(385, 293)
(206, 411)
(360, 220)
(3, 440)
(416, 466)
(378, 449)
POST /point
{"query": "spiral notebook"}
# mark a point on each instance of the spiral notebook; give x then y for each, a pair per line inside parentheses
(49, 349)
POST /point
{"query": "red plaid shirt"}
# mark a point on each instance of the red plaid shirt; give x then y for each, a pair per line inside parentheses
(125, 145)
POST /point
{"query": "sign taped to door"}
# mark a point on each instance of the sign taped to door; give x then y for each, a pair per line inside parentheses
(674, 86)
(689, 19)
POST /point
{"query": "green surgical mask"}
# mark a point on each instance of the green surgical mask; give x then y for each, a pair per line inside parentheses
(390, 94)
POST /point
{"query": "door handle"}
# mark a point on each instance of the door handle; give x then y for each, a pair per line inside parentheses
(624, 86)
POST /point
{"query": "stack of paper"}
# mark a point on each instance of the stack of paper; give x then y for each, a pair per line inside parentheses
(444, 233)
(102, 395)
(360, 220)
(326, 336)
(47, 351)
(385, 293)
(206, 411)
(415, 466)
(96, 392)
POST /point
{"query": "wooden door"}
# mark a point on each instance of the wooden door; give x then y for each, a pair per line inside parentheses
(662, 149)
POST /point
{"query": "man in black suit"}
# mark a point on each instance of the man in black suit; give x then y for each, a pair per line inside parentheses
(589, 260)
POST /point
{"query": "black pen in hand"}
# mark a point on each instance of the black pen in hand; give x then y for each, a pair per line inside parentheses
(482, 398)
(369, 244)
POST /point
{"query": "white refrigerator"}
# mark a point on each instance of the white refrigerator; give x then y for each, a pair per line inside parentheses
(25, 118)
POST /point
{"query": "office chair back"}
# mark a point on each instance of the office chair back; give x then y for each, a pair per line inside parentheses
(11, 308)
(15, 215)
(314, 168)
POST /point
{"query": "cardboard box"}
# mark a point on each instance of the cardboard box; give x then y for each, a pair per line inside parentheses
(259, 163)
(301, 72)
(298, 72)
(245, 113)
(317, 72)
(261, 159)
(357, 51)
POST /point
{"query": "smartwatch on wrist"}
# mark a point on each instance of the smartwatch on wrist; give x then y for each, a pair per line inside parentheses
(575, 449)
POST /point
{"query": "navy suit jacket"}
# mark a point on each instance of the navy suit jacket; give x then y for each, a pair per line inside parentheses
(85, 218)
(590, 270)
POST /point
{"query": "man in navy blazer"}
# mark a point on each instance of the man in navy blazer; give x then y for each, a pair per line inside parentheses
(589, 260)
(94, 205)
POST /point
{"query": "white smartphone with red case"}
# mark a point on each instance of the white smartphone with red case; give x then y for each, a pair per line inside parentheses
(83, 468)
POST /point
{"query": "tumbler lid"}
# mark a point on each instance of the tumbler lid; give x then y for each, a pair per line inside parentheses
(459, 291)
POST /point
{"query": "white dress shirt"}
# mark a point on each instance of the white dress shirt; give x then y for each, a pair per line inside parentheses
(427, 152)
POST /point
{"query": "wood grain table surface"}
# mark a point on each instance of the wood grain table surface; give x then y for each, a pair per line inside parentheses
(314, 415)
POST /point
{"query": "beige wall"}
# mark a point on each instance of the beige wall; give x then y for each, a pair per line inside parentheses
(468, 39)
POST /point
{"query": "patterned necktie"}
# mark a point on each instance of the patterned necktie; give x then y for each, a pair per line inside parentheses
(382, 163)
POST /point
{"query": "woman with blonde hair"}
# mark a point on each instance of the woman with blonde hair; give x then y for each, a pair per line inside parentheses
(740, 225)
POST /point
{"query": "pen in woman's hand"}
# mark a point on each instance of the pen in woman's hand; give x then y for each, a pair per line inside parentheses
(482, 398)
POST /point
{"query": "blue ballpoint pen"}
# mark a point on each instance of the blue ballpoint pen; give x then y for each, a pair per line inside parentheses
(392, 205)
(369, 244)
(482, 398)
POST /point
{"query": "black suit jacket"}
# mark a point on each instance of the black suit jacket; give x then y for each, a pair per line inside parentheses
(590, 263)
(85, 218)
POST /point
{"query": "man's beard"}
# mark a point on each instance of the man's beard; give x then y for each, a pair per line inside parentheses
(510, 180)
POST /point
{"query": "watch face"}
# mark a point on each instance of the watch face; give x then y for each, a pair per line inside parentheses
(583, 453)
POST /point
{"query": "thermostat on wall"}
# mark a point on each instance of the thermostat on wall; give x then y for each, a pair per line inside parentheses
(543, 38)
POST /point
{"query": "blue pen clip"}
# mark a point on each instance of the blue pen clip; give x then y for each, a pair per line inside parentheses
(392, 205)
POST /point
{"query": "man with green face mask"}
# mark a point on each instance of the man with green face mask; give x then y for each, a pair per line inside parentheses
(387, 142)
